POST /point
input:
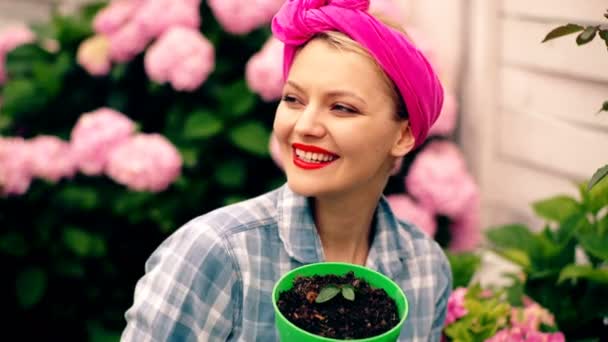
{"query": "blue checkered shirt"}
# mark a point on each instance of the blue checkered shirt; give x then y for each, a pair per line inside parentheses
(212, 279)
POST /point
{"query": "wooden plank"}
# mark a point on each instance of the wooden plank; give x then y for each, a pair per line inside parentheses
(13, 12)
(512, 189)
(549, 94)
(545, 142)
(521, 46)
(558, 10)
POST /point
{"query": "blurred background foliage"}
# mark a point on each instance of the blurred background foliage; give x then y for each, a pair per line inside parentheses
(71, 252)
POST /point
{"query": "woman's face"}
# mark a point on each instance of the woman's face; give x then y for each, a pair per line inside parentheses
(336, 124)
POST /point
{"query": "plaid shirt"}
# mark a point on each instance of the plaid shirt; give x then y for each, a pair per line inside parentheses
(212, 279)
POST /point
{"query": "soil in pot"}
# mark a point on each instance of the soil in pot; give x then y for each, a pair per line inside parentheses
(371, 312)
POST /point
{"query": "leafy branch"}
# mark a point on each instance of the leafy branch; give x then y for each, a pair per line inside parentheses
(585, 35)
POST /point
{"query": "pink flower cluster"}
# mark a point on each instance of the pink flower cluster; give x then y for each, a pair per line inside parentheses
(264, 71)
(516, 334)
(524, 323)
(10, 39)
(146, 162)
(131, 24)
(125, 28)
(102, 141)
(406, 209)
(240, 17)
(456, 308)
(182, 57)
(439, 180)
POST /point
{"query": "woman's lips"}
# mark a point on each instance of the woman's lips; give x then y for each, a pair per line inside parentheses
(311, 157)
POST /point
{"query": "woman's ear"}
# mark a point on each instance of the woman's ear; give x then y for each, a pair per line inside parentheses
(405, 140)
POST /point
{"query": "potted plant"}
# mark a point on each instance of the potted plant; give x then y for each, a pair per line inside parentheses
(340, 301)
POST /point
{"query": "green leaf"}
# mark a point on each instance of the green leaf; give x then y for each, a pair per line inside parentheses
(14, 244)
(516, 256)
(20, 96)
(604, 35)
(568, 228)
(573, 272)
(235, 99)
(513, 236)
(464, 266)
(598, 175)
(557, 208)
(189, 156)
(202, 124)
(348, 292)
(598, 195)
(604, 107)
(233, 199)
(252, 137)
(231, 174)
(83, 243)
(30, 284)
(587, 35)
(327, 293)
(592, 240)
(562, 31)
(78, 197)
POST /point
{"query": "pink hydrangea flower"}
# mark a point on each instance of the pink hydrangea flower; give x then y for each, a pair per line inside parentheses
(15, 166)
(531, 317)
(439, 180)
(114, 16)
(15, 36)
(406, 209)
(146, 162)
(516, 334)
(51, 158)
(264, 71)
(10, 39)
(446, 122)
(157, 16)
(240, 17)
(181, 56)
(465, 230)
(94, 55)
(95, 135)
(127, 42)
(456, 308)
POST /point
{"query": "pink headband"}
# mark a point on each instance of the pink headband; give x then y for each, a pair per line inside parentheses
(299, 20)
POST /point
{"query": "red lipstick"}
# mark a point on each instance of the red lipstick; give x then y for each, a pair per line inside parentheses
(313, 149)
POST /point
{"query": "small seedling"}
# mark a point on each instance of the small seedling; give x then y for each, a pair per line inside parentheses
(330, 291)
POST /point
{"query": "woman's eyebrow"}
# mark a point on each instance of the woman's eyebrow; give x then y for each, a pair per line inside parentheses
(333, 93)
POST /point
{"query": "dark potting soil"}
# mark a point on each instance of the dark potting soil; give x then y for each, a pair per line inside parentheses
(372, 312)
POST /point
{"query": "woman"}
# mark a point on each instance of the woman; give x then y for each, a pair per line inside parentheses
(358, 96)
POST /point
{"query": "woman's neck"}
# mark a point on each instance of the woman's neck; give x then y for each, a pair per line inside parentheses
(344, 226)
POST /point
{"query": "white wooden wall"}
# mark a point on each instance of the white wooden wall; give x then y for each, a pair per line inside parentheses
(529, 126)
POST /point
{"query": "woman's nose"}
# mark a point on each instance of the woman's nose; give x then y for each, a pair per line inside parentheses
(309, 123)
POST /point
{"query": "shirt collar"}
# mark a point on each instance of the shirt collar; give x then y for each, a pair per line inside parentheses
(297, 230)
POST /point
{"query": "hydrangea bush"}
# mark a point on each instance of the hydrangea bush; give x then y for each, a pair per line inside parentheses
(123, 121)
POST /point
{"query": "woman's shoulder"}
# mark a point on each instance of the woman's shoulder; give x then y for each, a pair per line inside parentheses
(211, 232)
(422, 245)
(233, 218)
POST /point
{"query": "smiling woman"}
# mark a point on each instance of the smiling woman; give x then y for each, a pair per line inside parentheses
(358, 95)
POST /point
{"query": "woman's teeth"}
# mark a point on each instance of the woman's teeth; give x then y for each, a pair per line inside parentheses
(311, 157)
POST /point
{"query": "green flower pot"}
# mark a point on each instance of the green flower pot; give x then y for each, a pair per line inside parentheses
(291, 333)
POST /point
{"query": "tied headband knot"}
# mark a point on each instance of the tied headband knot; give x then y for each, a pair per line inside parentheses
(299, 20)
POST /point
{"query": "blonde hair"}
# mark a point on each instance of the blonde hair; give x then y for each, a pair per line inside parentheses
(343, 42)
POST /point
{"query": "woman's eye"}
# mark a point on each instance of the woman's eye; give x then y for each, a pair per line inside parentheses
(289, 99)
(343, 108)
